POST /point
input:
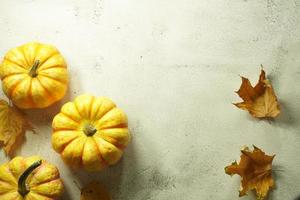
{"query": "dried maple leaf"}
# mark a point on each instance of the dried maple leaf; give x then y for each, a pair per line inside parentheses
(94, 191)
(255, 168)
(13, 126)
(260, 101)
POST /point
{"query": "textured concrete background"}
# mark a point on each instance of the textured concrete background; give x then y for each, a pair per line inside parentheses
(172, 65)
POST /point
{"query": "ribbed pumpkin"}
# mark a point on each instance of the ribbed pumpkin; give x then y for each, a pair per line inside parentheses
(90, 132)
(34, 75)
(29, 178)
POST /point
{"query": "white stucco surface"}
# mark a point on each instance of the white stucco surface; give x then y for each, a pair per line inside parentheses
(173, 66)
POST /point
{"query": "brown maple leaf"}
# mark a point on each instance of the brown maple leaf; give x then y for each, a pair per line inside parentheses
(255, 168)
(94, 191)
(13, 126)
(260, 101)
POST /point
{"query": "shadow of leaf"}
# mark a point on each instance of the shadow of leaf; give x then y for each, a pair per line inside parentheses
(277, 171)
(286, 118)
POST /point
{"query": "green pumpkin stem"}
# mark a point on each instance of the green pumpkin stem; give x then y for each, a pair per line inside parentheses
(89, 130)
(22, 189)
(33, 70)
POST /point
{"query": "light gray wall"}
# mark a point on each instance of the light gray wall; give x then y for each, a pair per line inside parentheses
(173, 66)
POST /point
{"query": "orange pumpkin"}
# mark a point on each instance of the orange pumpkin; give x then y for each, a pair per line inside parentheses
(90, 132)
(29, 178)
(34, 75)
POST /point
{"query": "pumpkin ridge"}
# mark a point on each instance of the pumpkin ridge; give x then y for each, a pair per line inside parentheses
(43, 195)
(23, 166)
(81, 160)
(12, 74)
(15, 65)
(13, 62)
(64, 129)
(112, 141)
(67, 130)
(44, 182)
(46, 90)
(21, 49)
(96, 150)
(55, 195)
(36, 193)
(91, 107)
(125, 140)
(96, 111)
(30, 98)
(54, 79)
(105, 112)
(40, 69)
(10, 190)
(118, 146)
(81, 157)
(65, 145)
(9, 171)
(69, 117)
(99, 153)
(14, 87)
(37, 48)
(51, 55)
(15, 196)
(68, 143)
(77, 109)
(124, 125)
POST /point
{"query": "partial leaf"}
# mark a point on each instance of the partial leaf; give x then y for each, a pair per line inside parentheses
(13, 126)
(94, 191)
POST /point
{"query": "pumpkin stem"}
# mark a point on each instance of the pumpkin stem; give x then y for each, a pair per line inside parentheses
(89, 130)
(22, 189)
(34, 68)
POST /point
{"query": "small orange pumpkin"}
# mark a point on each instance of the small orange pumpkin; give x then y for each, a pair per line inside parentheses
(29, 178)
(90, 132)
(34, 75)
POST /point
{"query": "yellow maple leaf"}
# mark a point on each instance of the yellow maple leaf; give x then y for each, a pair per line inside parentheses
(13, 126)
(255, 168)
(260, 101)
(94, 191)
